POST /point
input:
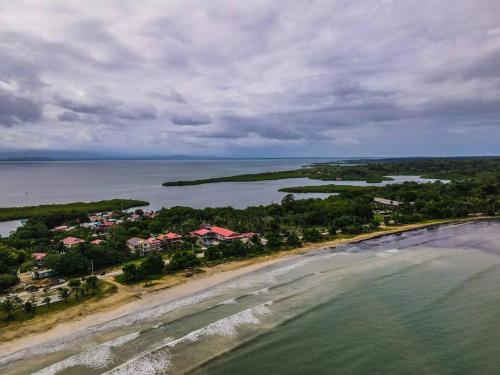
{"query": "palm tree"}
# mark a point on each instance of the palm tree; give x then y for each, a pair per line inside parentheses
(46, 300)
(9, 305)
(91, 282)
(75, 285)
(64, 293)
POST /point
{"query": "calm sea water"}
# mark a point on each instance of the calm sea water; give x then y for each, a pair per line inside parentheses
(34, 183)
(422, 302)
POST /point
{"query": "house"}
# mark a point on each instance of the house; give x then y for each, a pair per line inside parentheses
(135, 244)
(169, 237)
(208, 234)
(70, 242)
(248, 236)
(152, 244)
(97, 242)
(61, 228)
(39, 258)
(386, 202)
(41, 274)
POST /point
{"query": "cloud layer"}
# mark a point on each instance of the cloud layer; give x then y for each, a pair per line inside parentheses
(293, 78)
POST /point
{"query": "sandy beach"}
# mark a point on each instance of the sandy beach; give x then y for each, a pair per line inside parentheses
(132, 299)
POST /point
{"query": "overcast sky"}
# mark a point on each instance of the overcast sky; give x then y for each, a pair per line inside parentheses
(256, 78)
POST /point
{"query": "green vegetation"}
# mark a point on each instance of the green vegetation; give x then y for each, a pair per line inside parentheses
(12, 309)
(318, 172)
(374, 171)
(245, 178)
(331, 188)
(475, 189)
(69, 209)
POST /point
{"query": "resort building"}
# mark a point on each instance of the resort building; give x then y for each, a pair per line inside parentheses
(208, 235)
(152, 244)
(170, 237)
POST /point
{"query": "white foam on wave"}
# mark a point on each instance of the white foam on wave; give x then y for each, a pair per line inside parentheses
(156, 361)
(387, 253)
(63, 342)
(284, 270)
(258, 292)
(231, 301)
(97, 357)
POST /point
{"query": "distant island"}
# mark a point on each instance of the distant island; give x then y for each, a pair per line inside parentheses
(369, 170)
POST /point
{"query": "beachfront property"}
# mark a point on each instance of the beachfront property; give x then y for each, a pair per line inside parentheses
(70, 242)
(143, 246)
(135, 244)
(170, 238)
(211, 235)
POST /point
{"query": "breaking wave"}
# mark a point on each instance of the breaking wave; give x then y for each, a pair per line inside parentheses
(156, 360)
(98, 357)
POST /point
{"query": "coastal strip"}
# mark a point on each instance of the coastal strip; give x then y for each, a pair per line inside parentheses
(131, 299)
(75, 208)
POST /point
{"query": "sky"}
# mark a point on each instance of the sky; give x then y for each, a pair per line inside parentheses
(251, 78)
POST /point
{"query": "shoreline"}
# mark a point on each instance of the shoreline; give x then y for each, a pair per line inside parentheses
(132, 299)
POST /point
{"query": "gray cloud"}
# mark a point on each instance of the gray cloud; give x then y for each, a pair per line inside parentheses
(16, 110)
(287, 78)
(190, 118)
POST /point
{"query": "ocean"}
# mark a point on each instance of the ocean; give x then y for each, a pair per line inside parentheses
(421, 302)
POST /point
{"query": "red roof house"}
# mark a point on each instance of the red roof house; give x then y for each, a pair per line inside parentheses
(38, 256)
(169, 237)
(72, 241)
(214, 233)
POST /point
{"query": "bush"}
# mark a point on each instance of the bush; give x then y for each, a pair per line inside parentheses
(152, 265)
(183, 259)
(131, 273)
(8, 280)
(312, 235)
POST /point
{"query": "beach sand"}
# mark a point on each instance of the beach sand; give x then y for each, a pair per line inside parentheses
(131, 299)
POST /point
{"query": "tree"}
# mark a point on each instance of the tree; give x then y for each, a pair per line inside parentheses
(183, 259)
(75, 285)
(64, 293)
(153, 265)
(7, 280)
(73, 263)
(46, 300)
(288, 202)
(91, 282)
(9, 305)
(293, 240)
(131, 273)
(274, 241)
(29, 307)
(312, 235)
